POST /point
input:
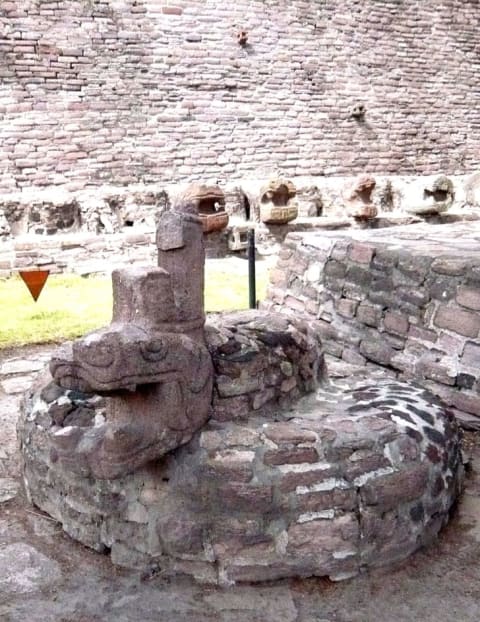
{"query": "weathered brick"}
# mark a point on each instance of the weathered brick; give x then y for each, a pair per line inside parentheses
(172, 10)
(292, 455)
(337, 499)
(377, 351)
(387, 491)
(469, 297)
(435, 371)
(396, 323)
(457, 320)
(361, 253)
(370, 315)
(346, 307)
(245, 497)
(471, 355)
(450, 265)
(288, 433)
(323, 535)
(419, 333)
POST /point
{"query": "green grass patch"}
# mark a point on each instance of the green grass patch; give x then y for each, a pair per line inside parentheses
(70, 305)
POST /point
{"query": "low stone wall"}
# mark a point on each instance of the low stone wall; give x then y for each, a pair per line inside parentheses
(80, 252)
(340, 483)
(407, 299)
(262, 362)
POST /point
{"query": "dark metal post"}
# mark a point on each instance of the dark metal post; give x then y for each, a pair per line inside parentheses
(252, 288)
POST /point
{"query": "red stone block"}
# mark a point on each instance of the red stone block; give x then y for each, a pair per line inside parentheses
(294, 455)
(361, 253)
(388, 491)
(245, 497)
(172, 10)
(326, 500)
(288, 433)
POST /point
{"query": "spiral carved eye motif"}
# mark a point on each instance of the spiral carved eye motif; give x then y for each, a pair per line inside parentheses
(98, 354)
(154, 350)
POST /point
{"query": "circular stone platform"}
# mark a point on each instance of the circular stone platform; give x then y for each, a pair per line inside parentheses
(340, 483)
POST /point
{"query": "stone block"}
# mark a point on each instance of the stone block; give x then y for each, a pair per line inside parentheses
(457, 320)
(322, 537)
(469, 297)
(388, 491)
(344, 500)
(306, 475)
(359, 275)
(361, 253)
(231, 465)
(346, 307)
(440, 373)
(369, 314)
(471, 355)
(231, 408)
(248, 498)
(335, 269)
(233, 387)
(396, 323)
(172, 10)
(290, 455)
(416, 296)
(377, 351)
(288, 433)
(419, 333)
(464, 400)
(442, 289)
(351, 356)
(451, 266)
(360, 465)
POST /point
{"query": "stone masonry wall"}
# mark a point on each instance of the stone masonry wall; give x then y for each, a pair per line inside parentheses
(98, 91)
(406, 299)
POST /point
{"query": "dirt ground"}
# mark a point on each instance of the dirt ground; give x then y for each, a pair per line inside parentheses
(47, 577)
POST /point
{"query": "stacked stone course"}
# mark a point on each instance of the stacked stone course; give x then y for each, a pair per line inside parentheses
(119, 90)
(339, 484)
(406, 299)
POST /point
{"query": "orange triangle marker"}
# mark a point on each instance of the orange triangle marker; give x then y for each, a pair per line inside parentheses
(34, 280)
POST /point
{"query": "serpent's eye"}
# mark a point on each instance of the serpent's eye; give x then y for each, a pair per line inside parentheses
(154, 350)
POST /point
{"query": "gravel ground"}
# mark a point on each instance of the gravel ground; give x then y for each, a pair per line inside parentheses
(47, 577)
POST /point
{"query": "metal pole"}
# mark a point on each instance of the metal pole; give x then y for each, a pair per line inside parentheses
(252, 289)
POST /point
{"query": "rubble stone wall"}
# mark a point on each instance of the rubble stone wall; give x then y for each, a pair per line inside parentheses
(82, 253)
(406, 299)
(95, 91)
(330, 488)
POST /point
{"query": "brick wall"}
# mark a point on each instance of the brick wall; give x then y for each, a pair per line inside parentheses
(97, 91)
(406, 299)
